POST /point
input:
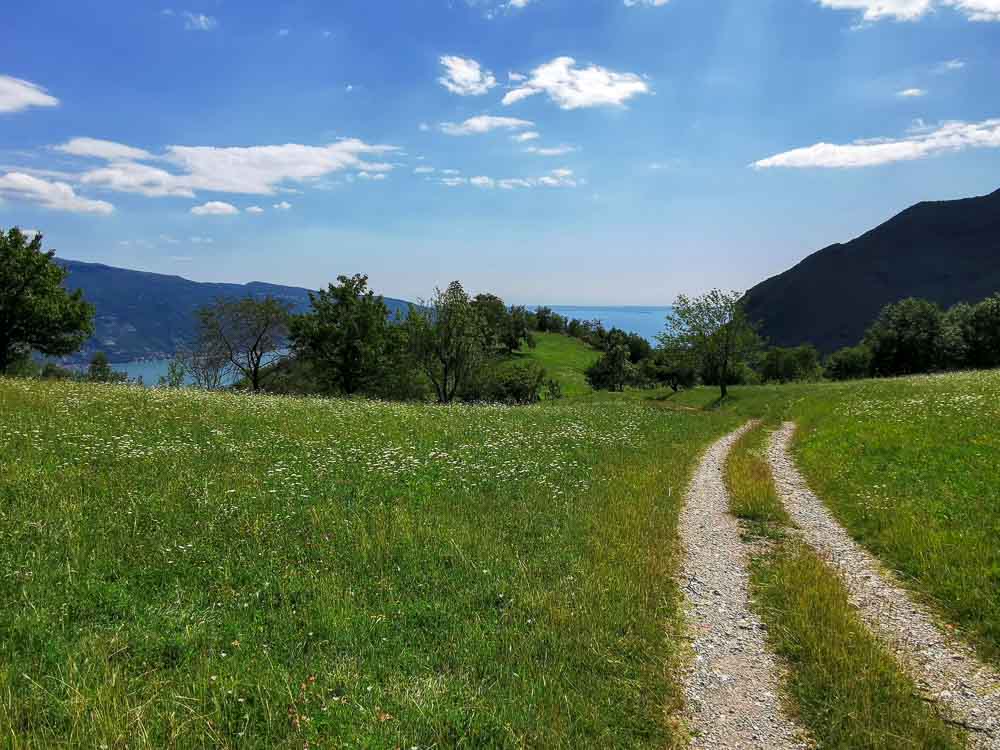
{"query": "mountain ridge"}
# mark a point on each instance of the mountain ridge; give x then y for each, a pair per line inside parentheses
(944, 251)
(146, 315)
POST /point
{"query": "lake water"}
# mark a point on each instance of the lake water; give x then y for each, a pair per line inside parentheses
(646, 321)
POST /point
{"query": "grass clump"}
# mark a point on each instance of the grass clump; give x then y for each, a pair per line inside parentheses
(848, 690)
(752, 495)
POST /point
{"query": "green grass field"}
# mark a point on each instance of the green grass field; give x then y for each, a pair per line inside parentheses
(565, 359)
(183, 569)
(187, 569)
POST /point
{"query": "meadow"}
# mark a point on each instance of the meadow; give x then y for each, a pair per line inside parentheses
(183, 569)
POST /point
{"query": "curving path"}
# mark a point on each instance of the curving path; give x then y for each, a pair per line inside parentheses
(732, 686)
(948, 671)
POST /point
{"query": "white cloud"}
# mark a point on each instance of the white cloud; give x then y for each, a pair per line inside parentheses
(215, 208)
(465, 77)
(573, 88)
(450, 171)
(555, 178)
(423, 170)
(107, 150)
(253, 170)
(255, 210)
(553, 151)
(484, 124)
(17, 95)
(911, 93)
(651, 3)
(530, 135)
(949, 137)
(370, 176)
(58, 196)
(949, 66)
(202, 240)
(199, 22)
(283, 206)
(913, 10)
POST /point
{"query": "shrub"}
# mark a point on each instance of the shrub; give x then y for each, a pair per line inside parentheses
(849, 363)
(906, 338)
(515, 382)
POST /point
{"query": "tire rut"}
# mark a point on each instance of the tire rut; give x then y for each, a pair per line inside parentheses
(946, 670)
(732, 685)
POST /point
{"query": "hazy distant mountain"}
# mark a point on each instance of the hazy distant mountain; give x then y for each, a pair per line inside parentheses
(150, 315)
(945, 251)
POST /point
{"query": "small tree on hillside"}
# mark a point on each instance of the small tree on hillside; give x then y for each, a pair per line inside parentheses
(613, 370)
(518, 331)
(713, 334)
(445, 338)
(344, 334)
(247, 334)
(36, 312)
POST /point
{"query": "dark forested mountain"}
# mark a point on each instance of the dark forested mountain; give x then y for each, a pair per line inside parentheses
(944, 251)
(149, 315)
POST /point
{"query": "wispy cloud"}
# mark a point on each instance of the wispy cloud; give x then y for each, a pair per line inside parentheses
(949, 137)
(484, 124)
(913, 10)
(199, 22)
(911, 93)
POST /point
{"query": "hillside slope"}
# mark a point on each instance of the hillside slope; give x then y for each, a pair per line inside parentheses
(144, 315)
(945, 251)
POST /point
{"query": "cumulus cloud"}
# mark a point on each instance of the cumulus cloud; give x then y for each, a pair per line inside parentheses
(58, 196)
(251, 170)
(215, 208)
(484, 124)
(465, 77)
(912, 10)
(17, 95)
(571, 87)
(283, 206)
(255, 210)
(949, 137)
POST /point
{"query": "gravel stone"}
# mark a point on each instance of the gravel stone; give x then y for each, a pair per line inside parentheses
(945, 669)
(732, 684)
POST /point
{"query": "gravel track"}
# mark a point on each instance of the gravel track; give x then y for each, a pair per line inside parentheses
(945, 669)
(732, 685)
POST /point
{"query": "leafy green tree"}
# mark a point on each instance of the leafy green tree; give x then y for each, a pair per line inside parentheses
(664, 368)
(982, 333)
(494, 320)
(906, 338)
(100, 371)
(176, 374)
(36, 311)
(344, 334)
(248, 334)
(613, 370)
(445, 339)
(712, 334)
(785, 365)
(849, 363)
(518, 331)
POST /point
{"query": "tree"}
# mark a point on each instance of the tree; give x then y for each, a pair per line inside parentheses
(613, 370)
(712, 334)
(518, 331)
(344, 334)
(36, 311)
(176, 373)
(906, 338)
(982, 333)
(445, 339)
(849, 363)
(784, 365)
(494, 320)
(666, 368)
(100, 371)
(248, 334)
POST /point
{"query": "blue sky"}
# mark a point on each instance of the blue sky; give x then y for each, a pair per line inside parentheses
(552, 151)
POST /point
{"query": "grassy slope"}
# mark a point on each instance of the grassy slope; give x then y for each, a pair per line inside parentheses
(565, 359)
(188, 569)
(845, 686)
